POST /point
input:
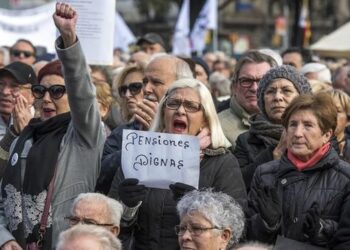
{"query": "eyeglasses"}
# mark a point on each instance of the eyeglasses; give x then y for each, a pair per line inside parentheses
(134, 88)
(18, 53)
(189, 106)
(196, 231)
(246, 82)
(74, 220)
(55, 91)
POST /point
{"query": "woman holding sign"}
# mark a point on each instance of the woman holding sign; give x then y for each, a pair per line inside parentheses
(187, 108)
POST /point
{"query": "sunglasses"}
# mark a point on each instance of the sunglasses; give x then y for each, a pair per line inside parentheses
(18, 53)
(55, 91)
(134, 88)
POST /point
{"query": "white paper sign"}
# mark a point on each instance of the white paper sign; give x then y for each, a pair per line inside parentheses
(95, 29)
(159, 159)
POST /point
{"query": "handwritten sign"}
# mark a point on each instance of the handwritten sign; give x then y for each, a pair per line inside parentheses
(159, 159)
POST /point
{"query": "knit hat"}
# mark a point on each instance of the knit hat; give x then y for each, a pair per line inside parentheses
(202, 63)
(285, 72)
(52, 68)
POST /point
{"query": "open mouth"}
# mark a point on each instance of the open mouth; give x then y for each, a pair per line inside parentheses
(179, 126)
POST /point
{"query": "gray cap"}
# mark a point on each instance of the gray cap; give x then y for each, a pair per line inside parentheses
(286, 72)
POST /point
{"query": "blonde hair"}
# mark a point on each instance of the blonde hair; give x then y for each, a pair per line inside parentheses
(343, 99)
(217, 135)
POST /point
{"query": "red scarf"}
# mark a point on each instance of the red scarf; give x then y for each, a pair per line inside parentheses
(318, 155)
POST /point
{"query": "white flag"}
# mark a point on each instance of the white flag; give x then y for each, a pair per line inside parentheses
(181, 41)
(206, 20)
(123, 36)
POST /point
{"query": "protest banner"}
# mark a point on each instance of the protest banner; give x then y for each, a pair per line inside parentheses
(159, 159)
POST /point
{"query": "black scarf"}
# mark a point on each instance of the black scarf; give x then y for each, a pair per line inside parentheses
(40, 165)
(263, 129)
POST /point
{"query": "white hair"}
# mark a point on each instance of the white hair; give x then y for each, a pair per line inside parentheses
(105, 238)
(217, 135)
(323, 73)
(273, 54)
(219, 208)
(114, 208)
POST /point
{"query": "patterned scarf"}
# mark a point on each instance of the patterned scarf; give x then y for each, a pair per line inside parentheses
(24, 201)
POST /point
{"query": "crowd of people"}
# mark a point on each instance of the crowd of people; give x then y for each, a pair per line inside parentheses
(273, 132)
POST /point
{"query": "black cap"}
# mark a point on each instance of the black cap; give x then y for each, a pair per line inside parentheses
(202, 63)
(151, 38)
(23, 73)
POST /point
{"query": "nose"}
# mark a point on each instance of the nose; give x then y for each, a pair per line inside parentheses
(147, 89)
(47, 97)
(278, 95)
(185, 236)
(181, 109)
(254, 87)
(298, 132)
(128, 93)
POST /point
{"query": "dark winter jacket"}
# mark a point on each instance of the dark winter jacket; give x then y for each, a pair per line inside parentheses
(111, 158)
(327, 183)
(251, 152)
(157, 216)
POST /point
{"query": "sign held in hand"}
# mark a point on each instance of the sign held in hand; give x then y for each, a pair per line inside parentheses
(159, 159)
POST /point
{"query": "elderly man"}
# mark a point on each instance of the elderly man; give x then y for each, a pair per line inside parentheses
(23, 51)
(15, 83)
(341, 79)
(151, 43)
(160, 73)
(294, 56)
(250, 68)
(96, 209)
(88, 237)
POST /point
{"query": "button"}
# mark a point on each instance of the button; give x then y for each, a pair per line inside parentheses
(295, 220)
(284, 181)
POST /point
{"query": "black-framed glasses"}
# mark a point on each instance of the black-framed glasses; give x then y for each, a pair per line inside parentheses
(247, 82)
(56, 91)
(189, 106)
(134, 88)
(196, 231)
(74, 220)
(18, 53)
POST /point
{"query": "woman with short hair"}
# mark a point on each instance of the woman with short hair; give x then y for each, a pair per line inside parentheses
(304, 195)
(209, 221)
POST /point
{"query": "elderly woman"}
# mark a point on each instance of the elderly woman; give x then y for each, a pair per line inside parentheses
(130, 91)
(264, 141)
(62, 148)
(209, 221)
(342, 102)
(186, 108)
(304, 196)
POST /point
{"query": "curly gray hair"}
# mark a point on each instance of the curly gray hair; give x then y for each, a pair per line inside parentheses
(219, 208)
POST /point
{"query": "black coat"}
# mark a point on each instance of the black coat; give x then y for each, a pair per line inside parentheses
(327, 183)
(157, 216)
(251, 152)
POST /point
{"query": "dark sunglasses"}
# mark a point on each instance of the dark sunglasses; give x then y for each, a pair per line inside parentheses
(134, 88)
(18, 53)
(55, 91)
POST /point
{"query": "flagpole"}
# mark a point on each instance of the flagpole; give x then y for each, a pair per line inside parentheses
(215, 40)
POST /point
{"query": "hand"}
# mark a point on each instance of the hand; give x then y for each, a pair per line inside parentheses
(204, 138)
(180, 189)
(312, 226)
(11, 245)
(269, 205)
(281, 146)
(21, 113)
(65, 18)
(146, 112)
(130, 193)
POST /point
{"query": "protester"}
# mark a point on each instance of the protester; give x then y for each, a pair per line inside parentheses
(88, 237)
(250, 68)
(105, 101)
(185, 109)
(341, 79)
(219, 87)
(223, 67)
(23, 51)
(16, 80)
(96, 209)
(209, 221)
(129, 86)
(151, 43)
(264, 141)
(342, 102)
(201, 70)
(140, 58)
(304, 195)
(294, 57)
(64, 145)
